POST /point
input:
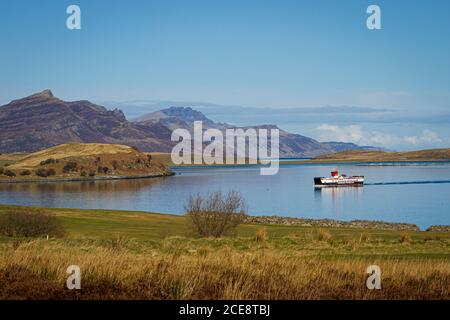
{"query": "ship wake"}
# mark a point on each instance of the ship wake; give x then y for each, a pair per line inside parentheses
(406, 182)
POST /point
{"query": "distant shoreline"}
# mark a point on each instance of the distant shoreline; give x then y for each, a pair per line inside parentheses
(105, 178)
(310, 162)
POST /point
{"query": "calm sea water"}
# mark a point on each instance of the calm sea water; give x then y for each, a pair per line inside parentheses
(414, 193)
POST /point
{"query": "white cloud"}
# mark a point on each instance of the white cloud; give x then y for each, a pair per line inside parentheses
(427, 137)
(352, 133)
(356, 134)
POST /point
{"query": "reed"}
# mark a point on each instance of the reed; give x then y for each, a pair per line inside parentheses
(208, 270)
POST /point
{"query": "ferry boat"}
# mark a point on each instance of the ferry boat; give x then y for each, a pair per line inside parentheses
(337, 180)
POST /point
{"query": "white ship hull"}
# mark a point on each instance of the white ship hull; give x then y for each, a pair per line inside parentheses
(339, 181)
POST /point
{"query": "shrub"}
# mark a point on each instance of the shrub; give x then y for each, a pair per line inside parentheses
(70, 166)
(215, 215)
(48, 161)
(31, 223)
(119, 243)
(9, 173)
(115, 164)
(2, 170)
(261, 236)
(25, 172)
(83, 173)
(92, 173)
(323, 235)
(405, 238)
(104, 170)
(41, 172)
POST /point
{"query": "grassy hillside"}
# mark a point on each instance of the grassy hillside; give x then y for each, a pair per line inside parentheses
(138, 255)
(358, 156)
(346, 156)
(362, 155)
(81, 161)
(71, 150)
(10, 158)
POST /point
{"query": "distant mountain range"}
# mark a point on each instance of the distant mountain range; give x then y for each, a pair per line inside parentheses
(291, 144)
(43, 120)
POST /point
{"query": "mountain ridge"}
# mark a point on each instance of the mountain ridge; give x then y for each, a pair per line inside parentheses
(291, 144)
(42, 120)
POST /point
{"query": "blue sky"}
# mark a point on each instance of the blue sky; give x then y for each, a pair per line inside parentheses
(248, 53)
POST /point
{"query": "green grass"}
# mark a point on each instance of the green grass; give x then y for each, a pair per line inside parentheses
(7, 162)
(141, 255)
(145, 229)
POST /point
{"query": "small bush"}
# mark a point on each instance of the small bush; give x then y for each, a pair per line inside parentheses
(70, 166)
(48, 161)
(83, 173)
(405, 238)
(2, 170)
(119, 243)
(103, 170)
(9, 173)
(323, 235)
(115, 164)
(363, 238)
(261, 236)
(25, 172)
(92, 173)
(31, 223)
(215, 215)
(41, 172)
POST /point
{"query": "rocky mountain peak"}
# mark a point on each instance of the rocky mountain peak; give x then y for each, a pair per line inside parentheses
(39, 97)
(46, 94)
(186, 114)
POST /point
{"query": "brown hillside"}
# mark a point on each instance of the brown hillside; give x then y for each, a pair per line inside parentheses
(69, 161)
(362, 155)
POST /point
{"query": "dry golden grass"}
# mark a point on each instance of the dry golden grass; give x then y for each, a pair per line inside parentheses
(136, 255)
(117, 270)
(364, 155)
(71, 150)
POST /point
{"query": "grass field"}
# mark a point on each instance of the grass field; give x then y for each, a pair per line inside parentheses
(365, 156)
(340, 157)
(138, 255)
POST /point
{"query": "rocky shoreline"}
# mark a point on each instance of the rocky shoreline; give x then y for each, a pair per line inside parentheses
(362, 224)
(86, 179)
(439, 228)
